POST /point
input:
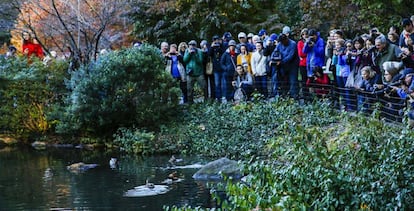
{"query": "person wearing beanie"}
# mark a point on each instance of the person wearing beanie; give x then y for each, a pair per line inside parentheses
(215, 53)
(243, 40)
(289, 64)
(193, 59)
(228, 63)
(207, 62)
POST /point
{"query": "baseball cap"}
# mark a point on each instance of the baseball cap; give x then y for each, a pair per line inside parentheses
(262, 32)
(242, 35)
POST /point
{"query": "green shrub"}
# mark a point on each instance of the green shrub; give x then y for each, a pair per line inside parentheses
(302, 156)
(134, 141)
(357, 163)
(121, 89)
(240, 131)
(29, 94)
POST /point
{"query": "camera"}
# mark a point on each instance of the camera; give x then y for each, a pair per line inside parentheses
(215, 45)
(275, 57)
(387, 88)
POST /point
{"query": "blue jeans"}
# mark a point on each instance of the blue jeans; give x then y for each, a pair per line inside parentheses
(220, 84)
(275, 81)
(293, 82)
(261, 84)
(341, 81)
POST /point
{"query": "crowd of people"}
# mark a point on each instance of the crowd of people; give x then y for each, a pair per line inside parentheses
(371, 65)
(365, 69)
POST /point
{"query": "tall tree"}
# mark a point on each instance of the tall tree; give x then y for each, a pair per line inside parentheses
(182, 20)
(7, 17)
(79, 26)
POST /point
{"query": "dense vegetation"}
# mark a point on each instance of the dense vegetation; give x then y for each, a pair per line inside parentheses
(122, 89)
(305, 157)
(30, 94)
(297, 156)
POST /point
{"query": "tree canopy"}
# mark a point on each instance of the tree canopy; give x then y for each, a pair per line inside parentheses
(87, 25)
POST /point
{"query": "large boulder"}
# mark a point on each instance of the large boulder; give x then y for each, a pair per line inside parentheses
(215, 170)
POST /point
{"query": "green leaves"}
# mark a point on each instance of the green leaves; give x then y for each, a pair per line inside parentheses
(121, 89)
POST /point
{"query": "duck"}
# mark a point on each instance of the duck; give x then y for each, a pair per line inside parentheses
(149, 185)
(173, 176)
(113, 162)
(173, 160)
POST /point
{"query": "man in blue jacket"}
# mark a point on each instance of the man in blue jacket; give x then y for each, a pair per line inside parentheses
(315, 50)
(289, 63)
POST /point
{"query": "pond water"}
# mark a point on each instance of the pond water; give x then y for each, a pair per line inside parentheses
(40, 180)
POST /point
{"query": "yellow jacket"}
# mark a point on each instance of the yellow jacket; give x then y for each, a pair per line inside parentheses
(245, 58)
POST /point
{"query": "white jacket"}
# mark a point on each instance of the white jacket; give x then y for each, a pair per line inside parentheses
(258, 63)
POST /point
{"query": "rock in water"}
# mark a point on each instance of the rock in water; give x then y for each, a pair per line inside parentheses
(215, 170)
(80, 167)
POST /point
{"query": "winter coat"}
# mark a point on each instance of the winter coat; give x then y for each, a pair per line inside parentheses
(228, 63)
(315, 54)
(259, 63)
(302, 56)
(194, 62)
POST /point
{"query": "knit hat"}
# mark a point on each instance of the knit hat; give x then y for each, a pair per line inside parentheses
(192, 42)
(232, 43)
(286, 30)
(406, 72)
(406, 22)
(216, 37)
(241, 35)
(250, 35)
(392, 67)
(203, 42)
(227, 35)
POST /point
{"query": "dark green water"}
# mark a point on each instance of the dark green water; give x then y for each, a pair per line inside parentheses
(39, 180)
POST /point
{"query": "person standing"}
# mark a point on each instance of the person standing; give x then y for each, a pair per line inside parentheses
(302, 56)
(193, 58)
(215, 54)
(259, 63)
(289, 63)
(208, 75)
(315, 50)
(176, 68)
(244, 58)
(28, 48)
(407, 36)
(228, 63)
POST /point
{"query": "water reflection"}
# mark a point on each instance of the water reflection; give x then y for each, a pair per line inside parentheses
(39, 180)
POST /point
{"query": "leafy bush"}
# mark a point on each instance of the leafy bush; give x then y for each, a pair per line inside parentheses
(239, 131)
(135, 141)
(302, 156)
(121, 89)
(29, 94)
(357, 163)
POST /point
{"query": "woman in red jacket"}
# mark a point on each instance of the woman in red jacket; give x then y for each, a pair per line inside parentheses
(319, 83)
(31, 47)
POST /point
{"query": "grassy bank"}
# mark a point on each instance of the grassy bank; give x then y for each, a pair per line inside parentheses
(301, 156)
